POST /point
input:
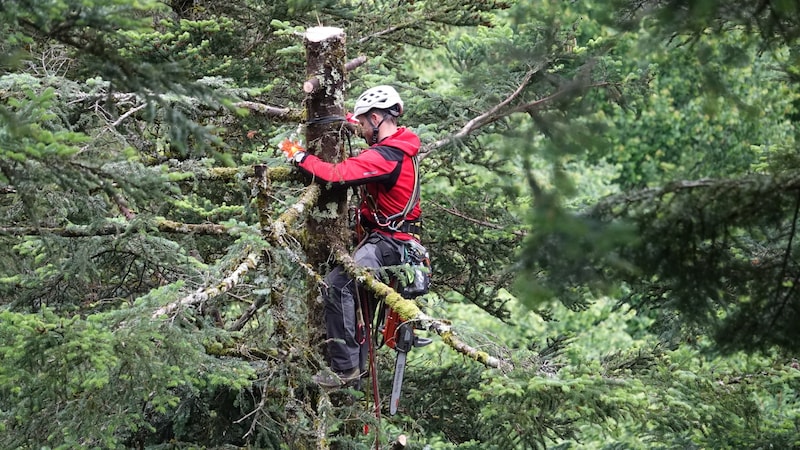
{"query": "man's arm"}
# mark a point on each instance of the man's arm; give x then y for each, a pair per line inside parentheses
(368, 167)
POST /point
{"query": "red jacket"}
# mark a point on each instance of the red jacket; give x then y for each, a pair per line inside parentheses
(386, 171)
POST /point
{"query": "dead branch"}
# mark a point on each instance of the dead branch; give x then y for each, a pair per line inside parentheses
(123, 206)
(205, 293)
(312, 84)
(274, 112)
(354, 63)
(503, 110)
(492, 115)
(247, 315)
(399, 443)
(108, 229)
(383, 32)
(126, 115)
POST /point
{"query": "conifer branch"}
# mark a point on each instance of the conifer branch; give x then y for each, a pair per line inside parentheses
(280, 173)
(291, 215)
(785, 265)
(203, 294)
(224, 174)
(169, 226)
(278, 234)
(758, 184)
(409, 311)
(216, 348)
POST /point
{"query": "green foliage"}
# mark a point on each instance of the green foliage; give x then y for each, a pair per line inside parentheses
(694, 247)
(585, 391)
(697, 120)
(66, 368)
(740, 236)
(636, 192)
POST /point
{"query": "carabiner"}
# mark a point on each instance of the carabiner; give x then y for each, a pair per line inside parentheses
(361, 335)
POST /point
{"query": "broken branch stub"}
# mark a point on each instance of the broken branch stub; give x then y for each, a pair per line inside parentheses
(312, 84)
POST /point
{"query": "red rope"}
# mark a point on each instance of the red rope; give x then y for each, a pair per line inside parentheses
(373, 368)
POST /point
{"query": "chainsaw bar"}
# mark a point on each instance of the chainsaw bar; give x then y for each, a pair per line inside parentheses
(403, 343)
(397, 384)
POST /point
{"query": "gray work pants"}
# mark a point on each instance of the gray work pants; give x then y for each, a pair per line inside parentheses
(347, 346)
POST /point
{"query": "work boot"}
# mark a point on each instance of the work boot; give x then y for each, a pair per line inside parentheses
(328, 379)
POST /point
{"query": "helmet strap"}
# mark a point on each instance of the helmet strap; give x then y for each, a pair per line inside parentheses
(374, 139)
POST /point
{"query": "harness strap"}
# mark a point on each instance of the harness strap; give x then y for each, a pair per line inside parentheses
(395, 222)
(414, 198)
(414, 227)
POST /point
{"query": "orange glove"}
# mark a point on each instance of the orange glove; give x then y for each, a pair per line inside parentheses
(293, 150)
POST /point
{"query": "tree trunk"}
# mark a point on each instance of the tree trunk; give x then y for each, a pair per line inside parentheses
(325, 137)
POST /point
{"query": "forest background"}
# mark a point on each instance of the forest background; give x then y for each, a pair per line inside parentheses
(611, 198)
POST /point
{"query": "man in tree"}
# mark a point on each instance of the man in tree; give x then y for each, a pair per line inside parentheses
(389, 212)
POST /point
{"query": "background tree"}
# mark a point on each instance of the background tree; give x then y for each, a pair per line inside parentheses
(714, 239)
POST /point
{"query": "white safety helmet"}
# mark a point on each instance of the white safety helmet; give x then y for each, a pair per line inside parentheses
(380, 97)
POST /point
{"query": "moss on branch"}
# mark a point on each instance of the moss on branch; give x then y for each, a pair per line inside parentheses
(409, 311)
(249, 262)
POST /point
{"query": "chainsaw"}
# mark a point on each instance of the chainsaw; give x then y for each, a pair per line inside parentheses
(399, 335)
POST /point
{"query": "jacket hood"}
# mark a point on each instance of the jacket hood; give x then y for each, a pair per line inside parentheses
(404, 139)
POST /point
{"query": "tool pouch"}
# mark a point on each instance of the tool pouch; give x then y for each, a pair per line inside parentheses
(417, 280)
